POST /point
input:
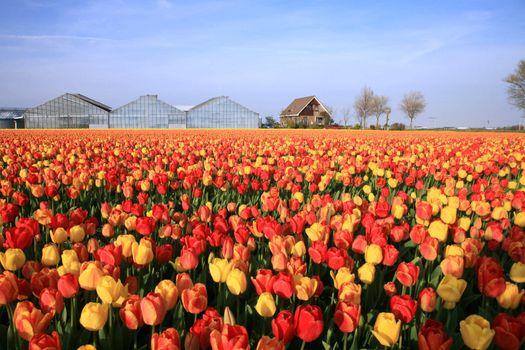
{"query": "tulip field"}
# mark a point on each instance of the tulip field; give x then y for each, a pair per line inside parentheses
(261, 239)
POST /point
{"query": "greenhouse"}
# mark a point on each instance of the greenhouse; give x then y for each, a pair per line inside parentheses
(221, 112)
(78, 111)
(68, 111)
(147, 112)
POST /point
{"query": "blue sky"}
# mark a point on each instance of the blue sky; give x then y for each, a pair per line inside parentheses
(264, 53)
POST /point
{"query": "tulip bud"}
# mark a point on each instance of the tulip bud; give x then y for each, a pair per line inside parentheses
(228, 317)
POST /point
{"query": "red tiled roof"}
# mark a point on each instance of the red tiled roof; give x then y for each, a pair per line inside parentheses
(297, 106)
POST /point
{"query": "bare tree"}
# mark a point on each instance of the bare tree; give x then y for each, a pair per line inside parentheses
(363, 105)
(516, 89)
(379, 104)
(388, 110)
(346, 112)
(413, 104)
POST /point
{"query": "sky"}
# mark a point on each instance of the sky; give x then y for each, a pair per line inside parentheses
(265, 53)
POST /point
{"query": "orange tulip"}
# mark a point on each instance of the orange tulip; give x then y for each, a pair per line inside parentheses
(195, 299)
(29, 320)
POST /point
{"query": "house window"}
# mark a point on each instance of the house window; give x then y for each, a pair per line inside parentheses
(319, 120)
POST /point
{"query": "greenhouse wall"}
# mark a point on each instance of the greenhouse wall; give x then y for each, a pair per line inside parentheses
(147, 112)
(67, 111)
(221, 112)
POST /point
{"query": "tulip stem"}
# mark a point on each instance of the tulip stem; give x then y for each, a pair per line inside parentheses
(302, 345)
(110, 312)
(345, 336)
(238, 307)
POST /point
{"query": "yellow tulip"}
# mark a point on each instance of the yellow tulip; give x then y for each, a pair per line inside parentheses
(343, 276)
(236, 282)
(511, 297)
(142, 252)
(476, 332)
(110, 291)
(305, 287)
(265, 305)
(12, 259)
(438, 229)
(59, 235)
(387, 329)
(169, 293)
(464, 223)
(94, 316)
(70, 263)
(517, 272)
(451, 289)
(220, 269)
(454, 250)
(90, 276)
(499, 213)
(448, 215)
(519, 219)
(373, 254)
(126, 242)
(315, 232)
(50, 255)
(86, 347)
(77, 234)
(367, 273)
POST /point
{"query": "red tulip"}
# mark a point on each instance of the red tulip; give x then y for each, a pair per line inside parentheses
(29, 320)
(167, 340)
(130, 312)
(153, 309)
(403, 307)
(68, 285)
(263, 281)
(283, 326)
(347, 316)
(283, 285)
(42, 341)
(8, 287)
(308, 322)
(231, 337)
(510, 331)
(491, 281)
(407, 273)
(427, 299)
(432, 336)
(145, 225)
(51, 300)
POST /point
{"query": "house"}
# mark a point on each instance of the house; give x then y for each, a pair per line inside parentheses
(307, 111)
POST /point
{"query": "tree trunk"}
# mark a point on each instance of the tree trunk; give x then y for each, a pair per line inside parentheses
(411, 120)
